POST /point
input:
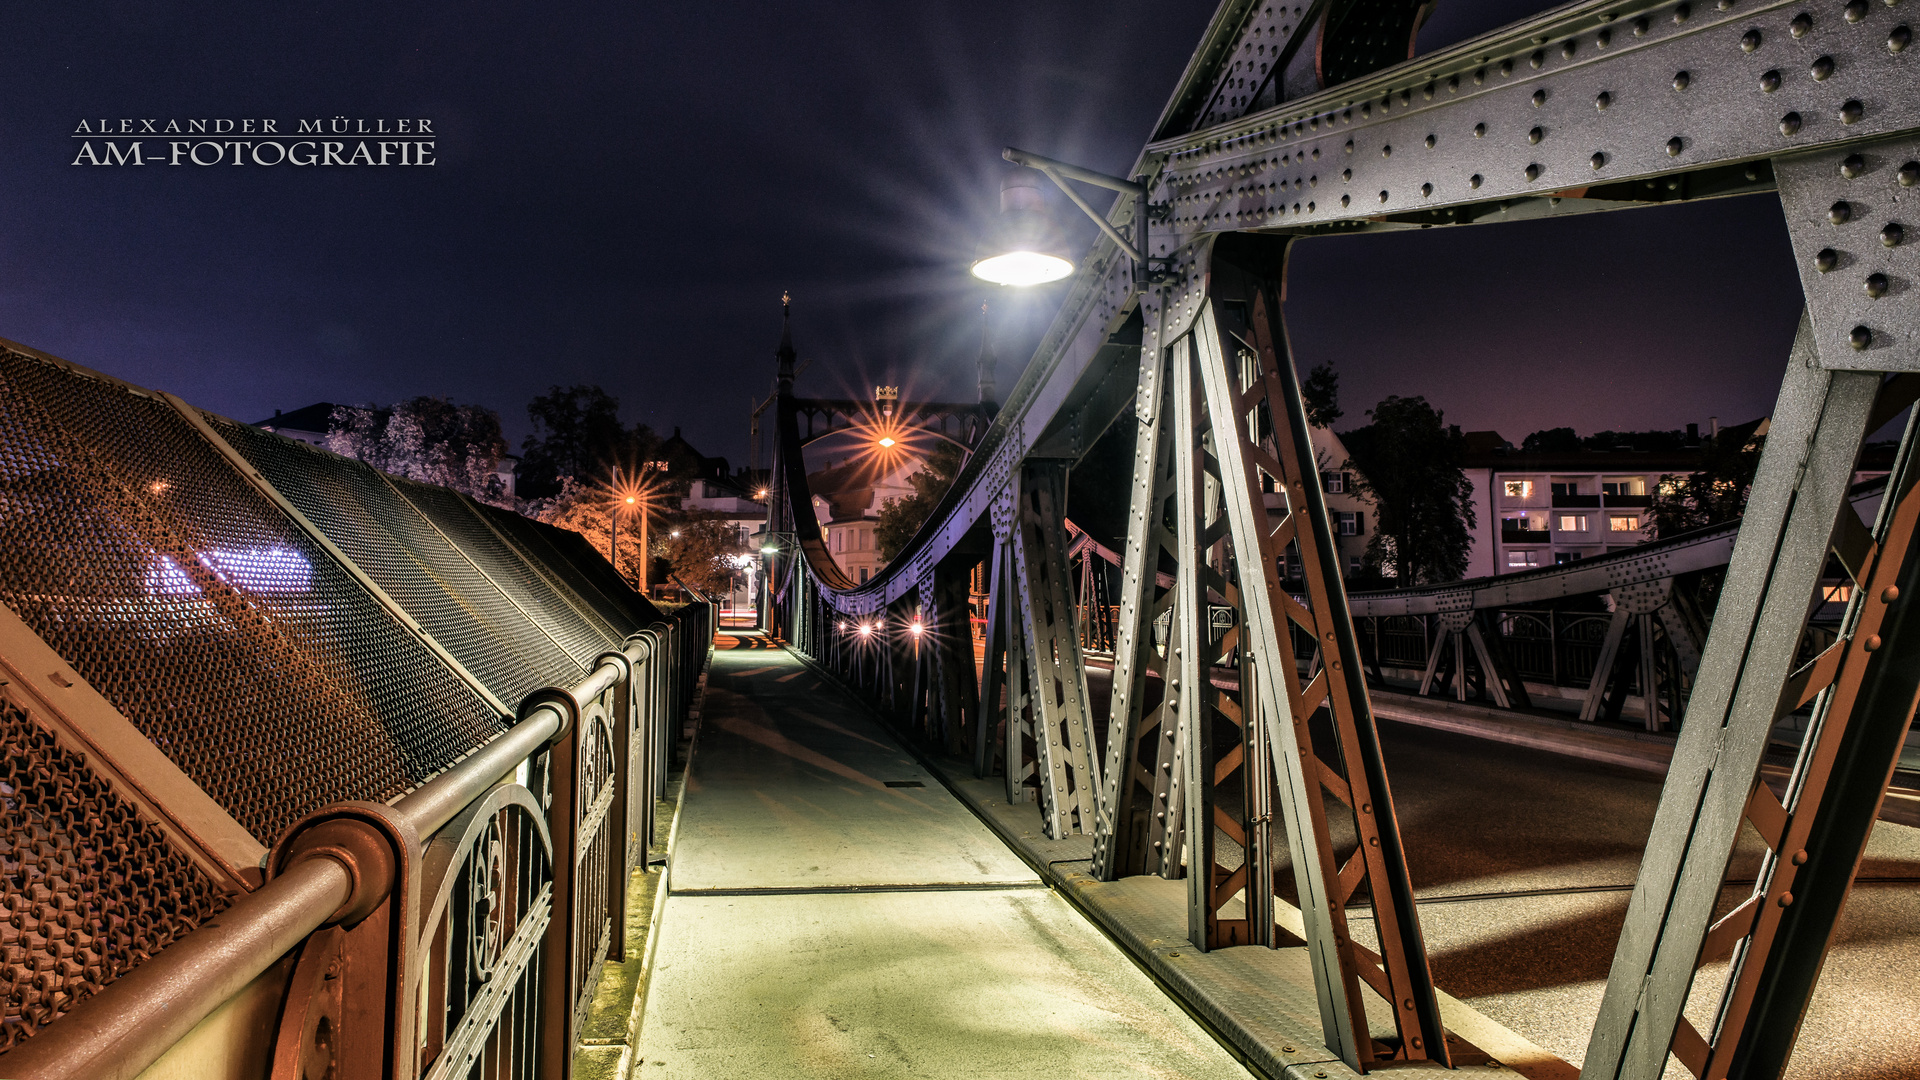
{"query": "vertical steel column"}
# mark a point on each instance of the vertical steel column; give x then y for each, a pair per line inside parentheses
(1798, 493)
(1063, 731)
(995, 671)
(1130, 831)
(1254, 384)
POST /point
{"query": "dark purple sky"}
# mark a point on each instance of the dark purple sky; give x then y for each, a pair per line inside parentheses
(623, 191)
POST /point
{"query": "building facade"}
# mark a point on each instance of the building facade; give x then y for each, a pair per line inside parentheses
(847, 501)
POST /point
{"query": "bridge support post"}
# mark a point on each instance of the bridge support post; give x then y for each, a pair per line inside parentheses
(1057, 689)
(1863, 689)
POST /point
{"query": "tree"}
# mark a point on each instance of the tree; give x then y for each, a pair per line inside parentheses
(1408, 460)
(702, 549)
(1560, 440)
(901, 518)
(1320, 393)
(588, 510)
(577, 433)
(1714, 493)
(427, 439)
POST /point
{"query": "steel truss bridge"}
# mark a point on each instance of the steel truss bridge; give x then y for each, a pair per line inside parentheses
(1207, 764)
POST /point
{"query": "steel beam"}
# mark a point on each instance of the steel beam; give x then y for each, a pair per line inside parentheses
(1058, 688)
(1798, 492)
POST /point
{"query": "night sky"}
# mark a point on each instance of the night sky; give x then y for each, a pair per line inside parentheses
(623, 191)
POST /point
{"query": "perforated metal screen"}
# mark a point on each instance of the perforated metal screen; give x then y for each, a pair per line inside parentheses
(92, 888)
(178, 590)
(459, 594)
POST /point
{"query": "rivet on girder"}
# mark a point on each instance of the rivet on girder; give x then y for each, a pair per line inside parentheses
(1899, 38)
(1603, 100)
(1640, 26)
(1852, 111)
(1534, 137)
(1860, 338)
(1826, 260)
(1680, 13)
(1893, 234)
(1876, 285)
(1429, 142)
(1474, 181)
(1479, 131)
(1599, 159)
(1539, 98)
(1675, 145)
(1856, 10)
(1822, 69)
(1533, 172)
(1538, 58)
(1801, 25)
(1840, 213)
(1681, 79)
(1790, 124)
(1853, 166)
(1750, 41)
(1567, 50)
(1770, 82)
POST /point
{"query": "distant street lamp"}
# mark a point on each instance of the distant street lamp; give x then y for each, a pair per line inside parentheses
(1027, 248)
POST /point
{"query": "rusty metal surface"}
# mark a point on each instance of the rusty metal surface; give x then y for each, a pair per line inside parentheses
(197, 608)
(93, 889)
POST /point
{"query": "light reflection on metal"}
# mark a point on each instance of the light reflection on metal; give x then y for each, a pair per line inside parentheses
(262, 571)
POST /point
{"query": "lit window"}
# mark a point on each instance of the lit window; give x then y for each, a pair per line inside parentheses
(1523, 559)
(1623, 524)
(1836, 594)
(1624, 485)
(1573, 523)
(1519, 489)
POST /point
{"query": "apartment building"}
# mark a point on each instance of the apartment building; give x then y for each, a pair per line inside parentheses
(1542, 509)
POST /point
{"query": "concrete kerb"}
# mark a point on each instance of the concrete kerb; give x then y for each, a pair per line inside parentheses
(623, 1069)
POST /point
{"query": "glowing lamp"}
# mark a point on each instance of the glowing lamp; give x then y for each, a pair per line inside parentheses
(769, 550)
(1026, 246)
(865, 629)
(917, 628)
(887, 441)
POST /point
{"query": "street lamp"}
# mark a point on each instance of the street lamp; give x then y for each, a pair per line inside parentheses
(1019, 251)
(1025, 246)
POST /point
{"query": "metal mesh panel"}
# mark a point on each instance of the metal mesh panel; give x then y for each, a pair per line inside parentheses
(91, 889)
(569, 620)
(571, 558)
(191, 602)
(534, 539)
(402, 552)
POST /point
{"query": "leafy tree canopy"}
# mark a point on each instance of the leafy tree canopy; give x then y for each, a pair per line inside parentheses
(1716, 492)
(1320, 393)
(901, 518)
(427, 439)
(577, 433)
(1409, 460)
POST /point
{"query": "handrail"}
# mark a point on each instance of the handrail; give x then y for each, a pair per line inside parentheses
(121, 1031)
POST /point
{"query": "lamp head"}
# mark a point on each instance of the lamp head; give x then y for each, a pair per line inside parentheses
(1025, 246)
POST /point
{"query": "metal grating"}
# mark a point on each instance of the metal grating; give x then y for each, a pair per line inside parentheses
(91, 889)
(230, 639)
(414, 563)
(584, 635)
(558, 553)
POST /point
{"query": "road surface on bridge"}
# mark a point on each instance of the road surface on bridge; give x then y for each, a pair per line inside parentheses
(834, 912)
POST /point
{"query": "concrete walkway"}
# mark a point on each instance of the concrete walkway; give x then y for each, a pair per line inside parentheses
(834, 912)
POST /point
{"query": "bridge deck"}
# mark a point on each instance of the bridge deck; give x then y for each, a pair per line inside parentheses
(823, 923)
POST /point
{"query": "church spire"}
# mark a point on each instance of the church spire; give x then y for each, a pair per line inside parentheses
(784, 376)
(987, 361)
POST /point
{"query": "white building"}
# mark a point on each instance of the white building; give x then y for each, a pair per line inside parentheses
(847, 501)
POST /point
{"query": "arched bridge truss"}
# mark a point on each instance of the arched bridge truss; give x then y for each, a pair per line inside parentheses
(1207, 762)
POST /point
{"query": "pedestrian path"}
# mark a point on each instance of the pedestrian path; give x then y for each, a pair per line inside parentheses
(834, 912)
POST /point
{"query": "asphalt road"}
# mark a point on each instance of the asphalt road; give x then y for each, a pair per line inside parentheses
(1481, 817)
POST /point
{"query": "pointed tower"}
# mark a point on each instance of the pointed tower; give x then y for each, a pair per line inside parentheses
(987, 360)
(783, 378)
